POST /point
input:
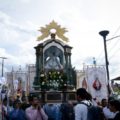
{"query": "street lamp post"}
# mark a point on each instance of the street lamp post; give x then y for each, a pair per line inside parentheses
(104, 34)
(2, 65)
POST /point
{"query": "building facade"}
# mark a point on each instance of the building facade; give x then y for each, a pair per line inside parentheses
(21, 81)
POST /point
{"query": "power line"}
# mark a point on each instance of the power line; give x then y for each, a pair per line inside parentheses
(101, 56)
(111, 49)
(113, 46)
(116, 31)
(117, 50)
(101, 53)
(114, 37)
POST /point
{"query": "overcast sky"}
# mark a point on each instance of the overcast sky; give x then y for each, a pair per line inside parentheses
(21, 19)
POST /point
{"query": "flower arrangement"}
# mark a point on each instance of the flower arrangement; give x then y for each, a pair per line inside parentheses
(55, 80)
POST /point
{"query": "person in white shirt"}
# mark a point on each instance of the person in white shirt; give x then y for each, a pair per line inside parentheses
(81, 109)
(106, 111)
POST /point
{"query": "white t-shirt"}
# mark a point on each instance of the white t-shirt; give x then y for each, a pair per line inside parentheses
(107, 113)
(81, 111)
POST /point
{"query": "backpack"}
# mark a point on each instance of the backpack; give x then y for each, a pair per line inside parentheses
(94, 112)
(67, 112)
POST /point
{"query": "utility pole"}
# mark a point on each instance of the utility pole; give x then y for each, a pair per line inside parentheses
(2, 76)
(3, 65)
(104, 34)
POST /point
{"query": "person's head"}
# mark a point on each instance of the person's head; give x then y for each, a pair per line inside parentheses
(24, 100)
(17, 104)
(35, 100)
(88, 96)
(81, 94)
(114, 105)
(104, 102)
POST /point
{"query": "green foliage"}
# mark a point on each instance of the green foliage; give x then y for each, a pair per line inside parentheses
(117, 90)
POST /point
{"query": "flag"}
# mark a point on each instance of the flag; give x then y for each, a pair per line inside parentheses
(97, 83)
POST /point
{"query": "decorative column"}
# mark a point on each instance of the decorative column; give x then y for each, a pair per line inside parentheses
(39, 66)
(70, 59)
(70, 69)
(68, 62)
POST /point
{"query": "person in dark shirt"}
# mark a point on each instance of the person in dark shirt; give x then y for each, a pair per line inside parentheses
(17, 113)
(114, 106)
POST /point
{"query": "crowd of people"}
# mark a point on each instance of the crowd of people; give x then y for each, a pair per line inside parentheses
(88, 109)
(84, 109)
